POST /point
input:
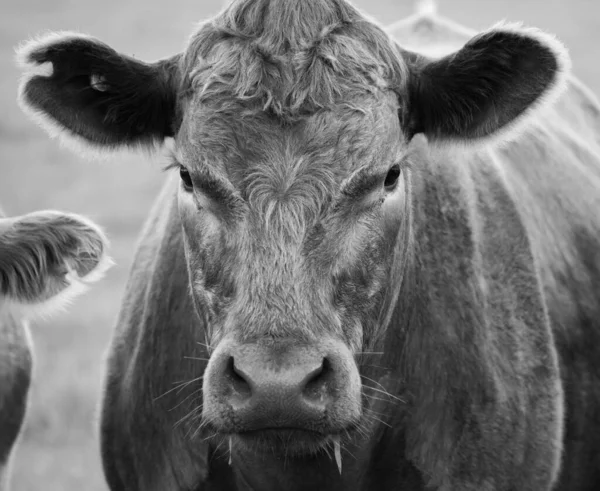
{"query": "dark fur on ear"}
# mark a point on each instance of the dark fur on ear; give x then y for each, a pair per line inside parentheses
(485, 87)
(49, 257)
(95, 93)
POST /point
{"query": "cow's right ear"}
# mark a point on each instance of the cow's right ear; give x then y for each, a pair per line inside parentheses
(91, 92)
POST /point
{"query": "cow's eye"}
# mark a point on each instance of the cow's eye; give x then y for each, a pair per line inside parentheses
(392, 177)
(186, 178)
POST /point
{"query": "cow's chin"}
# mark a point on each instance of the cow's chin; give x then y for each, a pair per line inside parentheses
(292, 442)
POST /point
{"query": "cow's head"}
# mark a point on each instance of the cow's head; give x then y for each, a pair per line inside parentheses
(46, 259)
(292, 123)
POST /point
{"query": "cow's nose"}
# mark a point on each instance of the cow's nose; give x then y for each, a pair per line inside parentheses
(258, 387)
(302, 389)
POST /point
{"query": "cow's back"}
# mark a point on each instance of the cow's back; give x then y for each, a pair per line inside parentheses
(16, 367)
(15, 379)
(551, 171)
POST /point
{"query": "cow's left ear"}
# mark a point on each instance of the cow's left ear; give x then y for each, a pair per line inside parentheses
(91, 92)
(486, 87)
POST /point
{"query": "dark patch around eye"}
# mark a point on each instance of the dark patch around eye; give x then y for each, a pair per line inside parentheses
(186, 178)
(391, 179)
(364, 183)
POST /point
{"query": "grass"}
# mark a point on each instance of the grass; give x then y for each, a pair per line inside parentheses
(59, 449)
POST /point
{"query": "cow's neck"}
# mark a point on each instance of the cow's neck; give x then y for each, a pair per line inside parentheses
(269, 472)
(374, 463)
(251, 471)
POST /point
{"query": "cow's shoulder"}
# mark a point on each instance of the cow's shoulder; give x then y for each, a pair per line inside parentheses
(549, 174)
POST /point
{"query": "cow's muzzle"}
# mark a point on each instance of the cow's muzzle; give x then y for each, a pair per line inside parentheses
(282, 392)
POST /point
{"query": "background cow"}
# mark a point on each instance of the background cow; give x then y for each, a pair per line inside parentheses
(97, 85)
(46, 259)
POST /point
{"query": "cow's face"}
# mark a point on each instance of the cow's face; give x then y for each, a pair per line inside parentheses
(289, 231)
(292, 123)
(290, 234)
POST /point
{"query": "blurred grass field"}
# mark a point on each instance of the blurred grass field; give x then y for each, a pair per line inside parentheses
(59, 448)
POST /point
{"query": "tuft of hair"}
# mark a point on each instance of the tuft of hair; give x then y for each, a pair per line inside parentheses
(47, 259)
(290, 58)
(426, 7)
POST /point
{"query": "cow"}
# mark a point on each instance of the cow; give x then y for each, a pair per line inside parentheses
(47, 258)
(375, 261)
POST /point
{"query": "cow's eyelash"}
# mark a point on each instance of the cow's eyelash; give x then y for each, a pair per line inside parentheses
(171, 164)
(210, 185)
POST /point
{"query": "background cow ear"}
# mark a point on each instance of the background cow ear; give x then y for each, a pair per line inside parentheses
(486, 87)
(92, 92)
(49, 257)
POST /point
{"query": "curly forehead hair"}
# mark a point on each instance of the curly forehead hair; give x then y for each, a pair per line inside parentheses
(290, 58)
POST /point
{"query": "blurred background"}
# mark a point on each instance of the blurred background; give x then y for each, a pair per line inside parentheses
(59, 449)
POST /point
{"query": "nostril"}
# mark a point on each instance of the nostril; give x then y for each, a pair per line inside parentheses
(318, 381)
(318, 373)
(237, 379)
